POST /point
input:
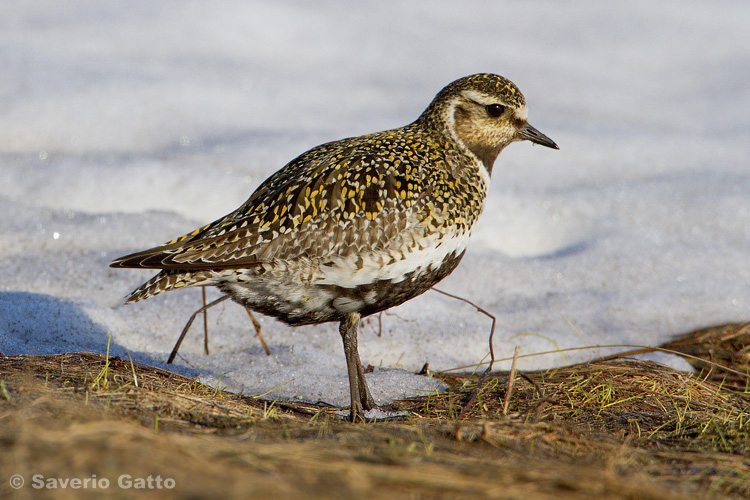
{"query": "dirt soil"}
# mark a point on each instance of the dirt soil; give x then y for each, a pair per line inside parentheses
(98, 427)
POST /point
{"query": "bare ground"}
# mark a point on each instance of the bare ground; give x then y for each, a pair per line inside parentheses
(613, 429)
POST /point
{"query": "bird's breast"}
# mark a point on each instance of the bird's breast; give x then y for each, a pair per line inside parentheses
(394, 264)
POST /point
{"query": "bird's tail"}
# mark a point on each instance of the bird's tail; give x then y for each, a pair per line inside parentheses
(168, 280)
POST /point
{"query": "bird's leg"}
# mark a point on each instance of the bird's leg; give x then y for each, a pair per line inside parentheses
(364, 392)
(348, 330)
(360, 394)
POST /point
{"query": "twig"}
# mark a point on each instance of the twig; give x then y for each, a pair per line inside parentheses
(190, 322)
(511, 381)
(480, 382)
(204, 310)
(492, 329)
(257, 331)
(205, 321)
(530, 380)
(579, 334)
(637, 350)
(542, 400)
(132, 367)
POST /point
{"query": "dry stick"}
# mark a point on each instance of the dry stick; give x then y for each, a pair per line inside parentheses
(511, 381)
(480, 382)
(579, 334)
(257, 331)
(203, 309)
(492, 329)
(531, 381)
(256, 325)
(637, 350)
(132, 367)
(205, 322)
(190, 322)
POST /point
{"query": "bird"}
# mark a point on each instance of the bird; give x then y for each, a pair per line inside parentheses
(355, 226)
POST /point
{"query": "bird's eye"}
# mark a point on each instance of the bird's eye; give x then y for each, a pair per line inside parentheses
(495, 110)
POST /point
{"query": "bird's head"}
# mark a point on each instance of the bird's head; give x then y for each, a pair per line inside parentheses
(485, 113)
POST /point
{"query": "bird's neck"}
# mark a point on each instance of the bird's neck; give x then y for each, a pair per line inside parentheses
(450, 124)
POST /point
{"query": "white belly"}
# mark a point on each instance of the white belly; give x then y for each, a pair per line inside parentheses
(356, 270)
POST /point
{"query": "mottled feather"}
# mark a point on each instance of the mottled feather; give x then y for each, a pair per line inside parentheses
(362, 210)
(355, 226)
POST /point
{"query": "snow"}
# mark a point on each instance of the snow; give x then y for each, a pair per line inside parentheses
(123, 126)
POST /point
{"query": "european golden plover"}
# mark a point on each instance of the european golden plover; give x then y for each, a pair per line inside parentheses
(355, 226)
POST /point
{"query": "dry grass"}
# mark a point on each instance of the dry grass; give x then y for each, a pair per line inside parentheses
(615, 429)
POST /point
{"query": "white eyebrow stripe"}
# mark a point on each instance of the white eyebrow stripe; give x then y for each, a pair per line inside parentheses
(478, 97)
(522, 113)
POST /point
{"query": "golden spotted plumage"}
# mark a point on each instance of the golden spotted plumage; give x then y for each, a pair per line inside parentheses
(355, 226)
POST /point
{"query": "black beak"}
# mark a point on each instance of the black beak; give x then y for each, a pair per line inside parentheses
(529, 133)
